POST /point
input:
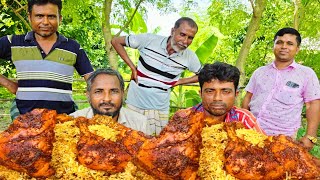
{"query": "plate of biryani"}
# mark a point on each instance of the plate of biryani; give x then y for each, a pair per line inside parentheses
(45, 145)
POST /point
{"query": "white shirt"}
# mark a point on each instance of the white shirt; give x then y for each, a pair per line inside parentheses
(126, 117)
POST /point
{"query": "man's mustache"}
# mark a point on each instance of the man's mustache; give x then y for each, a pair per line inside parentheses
(218, 104)
(106, 104)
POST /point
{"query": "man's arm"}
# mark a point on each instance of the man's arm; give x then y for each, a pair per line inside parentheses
(86, 76)
(246, 100)
(313, 121)
(118, 44)
(7, 83)
(188, 80)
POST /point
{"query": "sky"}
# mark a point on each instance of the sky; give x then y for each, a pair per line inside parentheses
(166, 21)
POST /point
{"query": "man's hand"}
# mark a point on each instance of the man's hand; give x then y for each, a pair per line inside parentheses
(8, 84)
(134, 75)
(306, 143)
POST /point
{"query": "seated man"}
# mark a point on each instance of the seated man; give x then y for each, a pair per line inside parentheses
(105, 91)
(218, 90)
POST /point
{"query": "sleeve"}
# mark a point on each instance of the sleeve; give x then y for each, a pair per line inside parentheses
(83, 65)
(249, 120)
(194, 65)
(312, 88)
(251, 86)
(5, 47)
(138, 41)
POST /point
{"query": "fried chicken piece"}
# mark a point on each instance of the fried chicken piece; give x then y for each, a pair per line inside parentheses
(279, 156)
(294, 158)
(130, 138)
(61, 118)
(98, 153)
(26, 146)
(175, 153)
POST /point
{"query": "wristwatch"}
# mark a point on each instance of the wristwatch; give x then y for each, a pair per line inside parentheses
(312, 139)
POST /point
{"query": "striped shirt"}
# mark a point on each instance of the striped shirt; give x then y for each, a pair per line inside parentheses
(237, 114)
(157, 71)
(44, 80)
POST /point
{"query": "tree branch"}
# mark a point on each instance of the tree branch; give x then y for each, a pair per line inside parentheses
(252, 3)
(128, 22)
(16, 12)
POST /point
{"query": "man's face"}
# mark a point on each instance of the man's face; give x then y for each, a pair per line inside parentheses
(285, 48)
(182, 37)
(105, 96)
(45, 19)
(218, 97)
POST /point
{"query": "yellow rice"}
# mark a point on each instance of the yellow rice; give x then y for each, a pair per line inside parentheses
(211, 162)
(252, 136)
(104, 131)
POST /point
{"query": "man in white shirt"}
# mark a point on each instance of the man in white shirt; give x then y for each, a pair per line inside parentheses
(105, 91)
(162, 61)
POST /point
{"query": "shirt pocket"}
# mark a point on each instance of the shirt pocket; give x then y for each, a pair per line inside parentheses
(62, 57)
(289, 96)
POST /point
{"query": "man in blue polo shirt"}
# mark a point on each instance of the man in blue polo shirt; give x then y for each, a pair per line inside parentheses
(161, 62)
(44, 60)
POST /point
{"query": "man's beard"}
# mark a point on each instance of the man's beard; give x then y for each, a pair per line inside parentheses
(219, 112)
(175, 47)
(112, 114)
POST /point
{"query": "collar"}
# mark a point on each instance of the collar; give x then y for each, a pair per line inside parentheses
(30, 37)
(293, 65)
(232, 115)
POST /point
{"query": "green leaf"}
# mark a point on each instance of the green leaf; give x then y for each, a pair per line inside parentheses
(206, 49)
(301, 132)
(192, 98)
(137, 25)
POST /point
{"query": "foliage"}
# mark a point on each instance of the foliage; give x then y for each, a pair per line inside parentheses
(184, 97)
(10, 24)
(84, 26)
(205, 50)
(315, 151)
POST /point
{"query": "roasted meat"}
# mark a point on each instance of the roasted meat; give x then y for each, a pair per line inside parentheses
(98, 153)
(175, 153)
(280, 155)
(27, 144)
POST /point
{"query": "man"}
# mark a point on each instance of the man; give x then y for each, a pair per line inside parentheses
(161, 62)
(276, 92)
(218, 90)
(105, 91)
(44, 60)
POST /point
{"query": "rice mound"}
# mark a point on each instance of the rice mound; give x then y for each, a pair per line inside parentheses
(211, 162)
(64, 161)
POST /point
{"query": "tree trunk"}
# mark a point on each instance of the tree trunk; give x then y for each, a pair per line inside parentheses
(106, 28)
(258, 9)
(296, 18)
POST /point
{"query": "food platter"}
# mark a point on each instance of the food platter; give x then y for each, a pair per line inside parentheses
(215, 139)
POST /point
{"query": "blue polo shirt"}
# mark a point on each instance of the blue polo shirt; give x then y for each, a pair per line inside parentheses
(44, 80)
